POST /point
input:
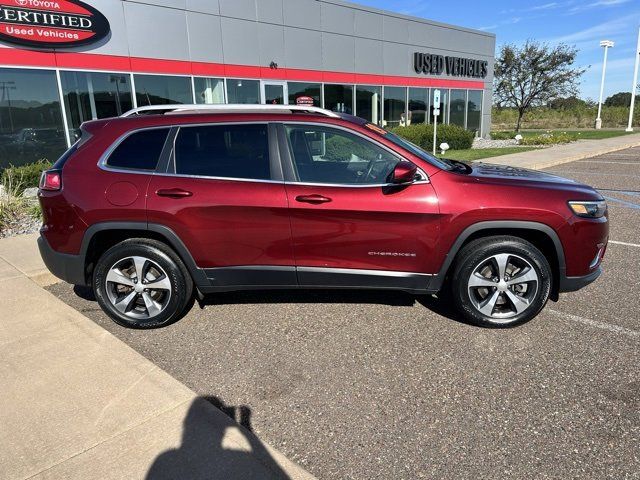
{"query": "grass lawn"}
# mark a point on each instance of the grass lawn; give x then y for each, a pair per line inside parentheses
(477, 154)
(582, 134)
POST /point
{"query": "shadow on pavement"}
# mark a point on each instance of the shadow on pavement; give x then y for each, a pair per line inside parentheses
(439, 305)
(379, 297)
(216, 447)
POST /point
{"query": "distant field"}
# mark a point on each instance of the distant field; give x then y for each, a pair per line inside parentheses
(586, 134)
(583, 134)
(477, 154)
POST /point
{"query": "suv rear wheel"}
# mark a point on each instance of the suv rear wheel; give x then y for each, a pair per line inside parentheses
(500, 281)
(142, 283)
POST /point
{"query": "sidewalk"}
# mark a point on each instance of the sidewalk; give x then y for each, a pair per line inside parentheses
(77, 403)
(556, 155)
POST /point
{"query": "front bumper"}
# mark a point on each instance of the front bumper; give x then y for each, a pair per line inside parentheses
(571, 284)
(69, 268)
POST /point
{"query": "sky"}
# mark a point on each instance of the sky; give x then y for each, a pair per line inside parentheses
(583, 23)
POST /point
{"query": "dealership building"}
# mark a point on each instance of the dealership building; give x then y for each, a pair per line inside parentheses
(63, 62)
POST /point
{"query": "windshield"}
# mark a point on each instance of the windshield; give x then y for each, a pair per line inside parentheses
(442, 163)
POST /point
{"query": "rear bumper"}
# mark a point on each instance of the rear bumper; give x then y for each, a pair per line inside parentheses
(69, 268)
(571, 284)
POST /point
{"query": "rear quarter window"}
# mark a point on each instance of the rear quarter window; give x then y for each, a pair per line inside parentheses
(140, 150)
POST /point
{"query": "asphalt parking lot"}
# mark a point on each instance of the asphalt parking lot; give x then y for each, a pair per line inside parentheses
(386, 385)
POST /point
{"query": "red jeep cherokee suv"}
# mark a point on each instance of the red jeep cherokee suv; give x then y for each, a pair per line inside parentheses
(151, 210)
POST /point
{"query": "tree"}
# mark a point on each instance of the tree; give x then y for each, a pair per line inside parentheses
(620, 99)
(534, 74)
(567, 103)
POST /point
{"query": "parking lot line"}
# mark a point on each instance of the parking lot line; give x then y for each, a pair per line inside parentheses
(624, 243)
(571, 172)
(633, 193)
(622, 202)
(594, 323)
(602, 161)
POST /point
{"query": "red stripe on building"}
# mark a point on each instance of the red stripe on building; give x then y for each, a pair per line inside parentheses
(93, 61)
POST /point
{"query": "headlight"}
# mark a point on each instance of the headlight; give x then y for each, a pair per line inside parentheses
(589, 209)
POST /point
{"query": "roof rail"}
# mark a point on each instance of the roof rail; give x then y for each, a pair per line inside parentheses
(231, 108)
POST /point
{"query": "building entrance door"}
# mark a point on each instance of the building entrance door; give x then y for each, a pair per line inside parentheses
(274, 93)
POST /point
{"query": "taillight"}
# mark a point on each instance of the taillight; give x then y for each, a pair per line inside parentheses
(51, 180)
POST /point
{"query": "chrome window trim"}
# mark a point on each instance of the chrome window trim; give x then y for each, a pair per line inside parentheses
(172, 160)
(103, 165)
(204, 177)
(102, 161)
(365, 137)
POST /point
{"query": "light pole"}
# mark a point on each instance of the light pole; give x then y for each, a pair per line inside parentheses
(634, 86)
(607, 44)
(6, 88)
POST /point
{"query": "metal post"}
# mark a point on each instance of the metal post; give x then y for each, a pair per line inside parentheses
(606, 44)
(634, 86)
(67, 134)
(435, 129)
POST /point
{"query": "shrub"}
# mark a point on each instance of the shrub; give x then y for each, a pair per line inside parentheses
(25, 176)
(340, 149)
(549, 138)
(509, 135)
(422, 135)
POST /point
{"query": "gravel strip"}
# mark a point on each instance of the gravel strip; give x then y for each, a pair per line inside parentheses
(480, 143)
(22, 225)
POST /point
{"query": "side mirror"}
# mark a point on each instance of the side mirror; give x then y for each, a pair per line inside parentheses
(404, 173)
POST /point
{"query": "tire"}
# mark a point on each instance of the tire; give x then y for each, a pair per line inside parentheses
(116, 279)
(488, 300)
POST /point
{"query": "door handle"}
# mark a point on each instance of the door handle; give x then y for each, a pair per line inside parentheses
(173, 193)
(314, 199)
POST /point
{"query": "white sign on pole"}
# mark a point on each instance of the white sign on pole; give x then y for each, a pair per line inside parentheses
(436, 112)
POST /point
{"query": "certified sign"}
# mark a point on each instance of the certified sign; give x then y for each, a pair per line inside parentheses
(305, 100)
(51, 23)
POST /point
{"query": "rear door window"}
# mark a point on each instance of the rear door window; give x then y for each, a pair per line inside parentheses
(140, 150)
(225, 151)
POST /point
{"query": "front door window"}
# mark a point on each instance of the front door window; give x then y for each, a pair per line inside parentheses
(333, 156)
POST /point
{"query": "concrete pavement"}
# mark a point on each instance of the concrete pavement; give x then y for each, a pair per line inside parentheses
(559, 154)
(76, 402)
(357, 384)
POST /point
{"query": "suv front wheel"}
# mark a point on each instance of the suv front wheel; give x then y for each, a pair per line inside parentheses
(500, 281)
(142, 283)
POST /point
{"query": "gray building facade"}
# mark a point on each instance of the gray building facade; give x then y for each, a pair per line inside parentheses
(383, 66)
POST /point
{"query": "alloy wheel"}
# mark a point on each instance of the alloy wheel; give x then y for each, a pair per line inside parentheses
(138, 288)
(503, 286)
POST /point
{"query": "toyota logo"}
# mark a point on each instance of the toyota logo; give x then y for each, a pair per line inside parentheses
(21, 2)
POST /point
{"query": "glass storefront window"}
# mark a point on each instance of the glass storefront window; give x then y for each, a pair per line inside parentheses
(162, 90)
(338, 98)
(209, 90)
(369, 103)
(89, 96)
(31, 125)
(474, 110)
(243, 91)
(394, 106)
(457, 107)
(444, 102)
(298, 89)
(418, 105)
